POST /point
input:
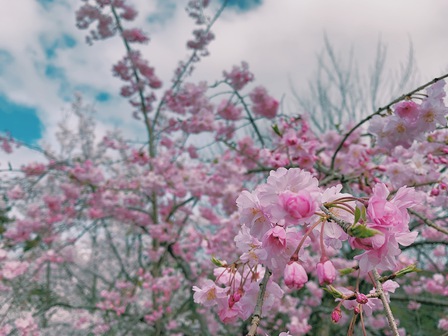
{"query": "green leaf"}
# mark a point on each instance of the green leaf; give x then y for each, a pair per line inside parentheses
(406, 270)
(30, 244)
(357, 215)
(345, 271)
(276, 130)
(334, 292)
(363, 213)
(362, 231)
(218, 262)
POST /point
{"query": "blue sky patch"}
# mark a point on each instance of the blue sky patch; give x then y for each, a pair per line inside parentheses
(20, 121)
(51, 46)
(46, 3)
(102, 97)
(243, 5)
(165, 11)
(57, 74)
(54, 72)
(5, 60)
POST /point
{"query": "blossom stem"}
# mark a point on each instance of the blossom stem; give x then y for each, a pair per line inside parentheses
(342, 206)
(343, 224)
(295, 255)
(387, 310)
(256, 316)
(323, 256)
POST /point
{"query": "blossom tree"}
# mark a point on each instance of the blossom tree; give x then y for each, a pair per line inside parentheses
(231, 217)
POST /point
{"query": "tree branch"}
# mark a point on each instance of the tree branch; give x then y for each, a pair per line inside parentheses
(387, 310)
(256, 316)
(428, 222)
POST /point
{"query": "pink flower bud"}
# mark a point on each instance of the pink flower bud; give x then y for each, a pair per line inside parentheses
(435, 192)
(356, 310)
(336, 315)
(361, 298)
(235, 297)
(295, 275)
(298, 205)
(326, 273)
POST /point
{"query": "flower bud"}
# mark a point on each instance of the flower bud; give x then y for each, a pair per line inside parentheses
(295, 275)
(235, 297)
(435, 192)
(298, 205)
(326, 273)
(361, 298)
(336, 315)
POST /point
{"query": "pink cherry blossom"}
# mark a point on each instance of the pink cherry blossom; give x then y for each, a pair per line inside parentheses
(295, 275)
(443, 324)
(326, 272)
(298, 205)
(407, 110)
(208, 294)
(263, 104)
(239, 76)
(229, 111)
(291, 195)
(13, 269)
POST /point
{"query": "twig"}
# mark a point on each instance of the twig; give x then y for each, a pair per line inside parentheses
(382, 295)
(423, 243)
(256, 316)
(422, 300)
(343, 224)
(251, 119)
(428, 222)
(185, 67)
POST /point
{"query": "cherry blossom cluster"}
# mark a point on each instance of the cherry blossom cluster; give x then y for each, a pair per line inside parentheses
(411, 121)
(282, 217)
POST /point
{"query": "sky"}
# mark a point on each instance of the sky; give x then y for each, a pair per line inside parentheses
(44, 59)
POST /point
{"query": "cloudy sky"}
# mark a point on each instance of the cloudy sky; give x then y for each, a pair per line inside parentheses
(44, 59)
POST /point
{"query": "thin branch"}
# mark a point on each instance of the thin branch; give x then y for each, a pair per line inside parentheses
(343, 224)
(423, 243)
(256, 316)
(429, 222)
(251, 119)
(422, 300)
(387, 310)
